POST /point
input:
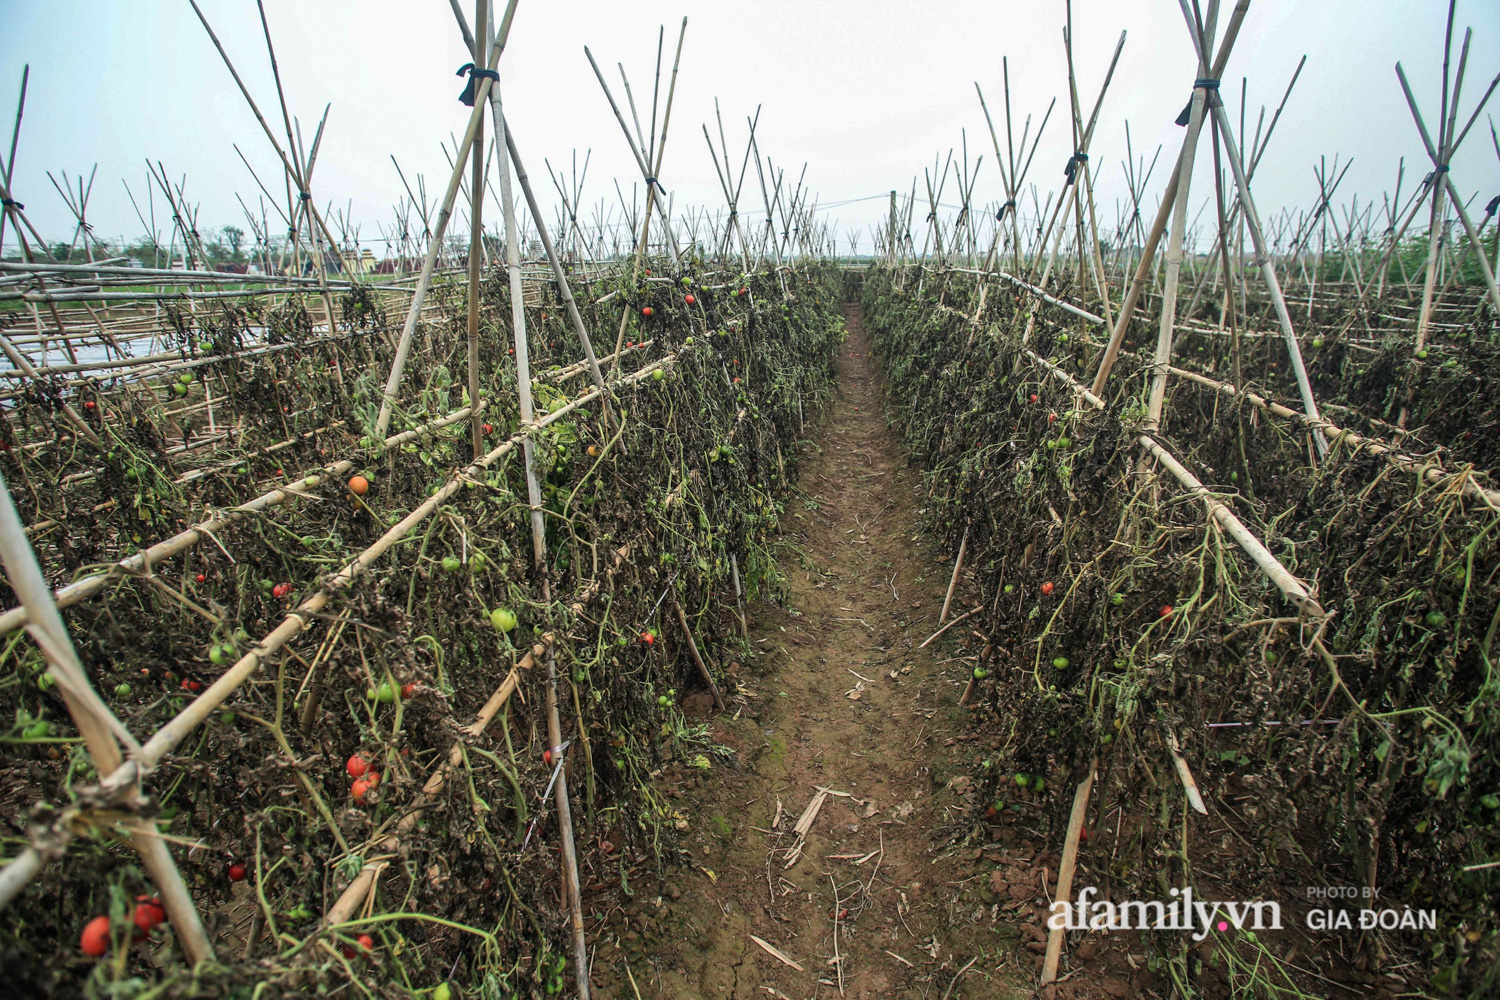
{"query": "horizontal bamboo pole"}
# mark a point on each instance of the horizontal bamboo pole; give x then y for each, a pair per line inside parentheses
(143, 560)
(1034, 290)
(1427, 470)
(1288, 584)
(179, 277)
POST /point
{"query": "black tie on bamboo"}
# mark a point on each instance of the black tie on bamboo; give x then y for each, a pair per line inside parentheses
(1204, 83)
(475, 73)
(12, 203)
(1000, 215)
(1072, 167)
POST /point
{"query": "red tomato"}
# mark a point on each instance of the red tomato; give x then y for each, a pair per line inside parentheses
(648, 311)
(547, 757)
(95, 939)
(90, 405)
(1047, 588)
(236, 872)
(148, 913)
(359, 789)
(1166, 610)
(489, 429)
(191, 685)
(648, 639)
(366, 942)
(200, 578)
(1033, 397)
(356, 766)
(1051, 418)
(407, 690)
(689, 299)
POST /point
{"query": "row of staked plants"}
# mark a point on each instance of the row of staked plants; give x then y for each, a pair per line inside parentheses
(658, 510)
(1120, 619)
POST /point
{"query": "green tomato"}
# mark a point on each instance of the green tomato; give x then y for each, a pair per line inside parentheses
(452, 564)
(1060, 662)
(387, 693)
(1052, 444)
(442, 992)
(503, 619)
(658, 375)
(186, 378)
(1117, 599)
(477, 561)
(1010, 588)
(122, 690)
(1421, 355)
(1436, 619)
(980, 673)
(216, 655)
(1022, 780)
(663, 700)
(1490, 801)
(1038, 783)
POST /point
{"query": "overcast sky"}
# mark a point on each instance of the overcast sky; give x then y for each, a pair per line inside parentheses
(865, 93)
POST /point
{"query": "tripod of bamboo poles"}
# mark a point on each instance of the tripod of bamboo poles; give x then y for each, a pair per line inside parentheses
(1258, 148)
(1087, 262)
(1441, 152)
(1077, 164)
(648, 157)
(734, 226)
(482, 78)
(1174, 206)
(1012, 176)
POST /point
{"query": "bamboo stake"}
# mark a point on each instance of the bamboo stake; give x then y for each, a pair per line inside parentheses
(692, 646)
(958, 565)
(1066, 868)
(572, 891)
(477, 45)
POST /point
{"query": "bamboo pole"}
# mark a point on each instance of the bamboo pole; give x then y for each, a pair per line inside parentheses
(1066, 869)
(958, 565)
(571, 886)
(1294, 589)
(477, 45)
(424, 281)
(687, 634)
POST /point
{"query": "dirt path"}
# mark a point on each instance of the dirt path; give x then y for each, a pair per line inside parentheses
(841, 700)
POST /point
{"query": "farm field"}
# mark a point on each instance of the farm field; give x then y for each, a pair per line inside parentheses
(1064, 583)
